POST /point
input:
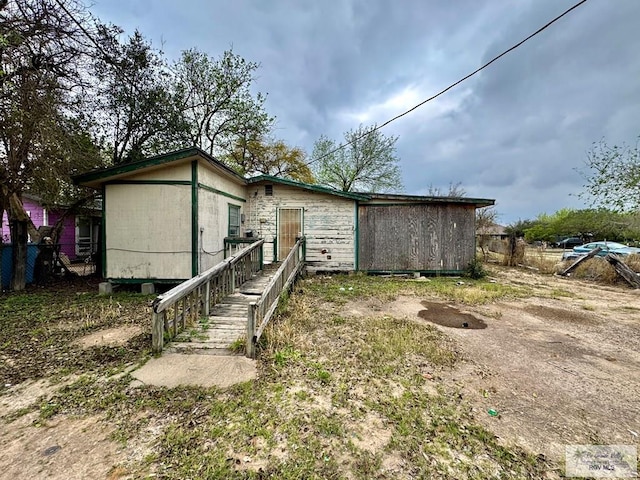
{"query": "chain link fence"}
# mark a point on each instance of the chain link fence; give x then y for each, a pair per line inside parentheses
(46, 262)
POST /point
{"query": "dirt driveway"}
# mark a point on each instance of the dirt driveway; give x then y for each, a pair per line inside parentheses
(561, 367)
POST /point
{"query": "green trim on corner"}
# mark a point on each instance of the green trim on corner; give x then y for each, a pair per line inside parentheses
(103, 232)
(356, 258)
(194, 218)
(148, 182)
(220, 192)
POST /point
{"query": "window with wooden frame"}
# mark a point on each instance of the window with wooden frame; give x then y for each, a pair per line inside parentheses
(234, 221)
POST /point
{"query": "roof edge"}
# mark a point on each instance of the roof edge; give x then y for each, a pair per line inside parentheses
(104, 173)
(478, 202)
(309, 186)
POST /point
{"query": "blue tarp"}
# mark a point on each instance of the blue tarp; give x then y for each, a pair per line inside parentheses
(7, 268)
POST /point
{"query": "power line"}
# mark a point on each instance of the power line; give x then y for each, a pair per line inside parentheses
(83, 29)
(378, 127)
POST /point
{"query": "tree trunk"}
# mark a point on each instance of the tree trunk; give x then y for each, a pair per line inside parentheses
(71, 210)
(19, 254)
(1, 253)
(2, 209)
(17, 212)
(510, 255)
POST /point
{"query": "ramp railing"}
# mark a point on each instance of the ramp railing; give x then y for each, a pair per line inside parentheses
(260, 312)
(185, 303)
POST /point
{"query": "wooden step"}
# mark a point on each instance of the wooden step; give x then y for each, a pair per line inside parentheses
(237, 299)
(211, 350)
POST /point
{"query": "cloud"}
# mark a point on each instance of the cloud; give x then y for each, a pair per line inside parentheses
(516, 132)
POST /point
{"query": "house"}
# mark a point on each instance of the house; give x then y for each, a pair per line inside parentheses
(165, 219)
(493, 232)
(79, 236)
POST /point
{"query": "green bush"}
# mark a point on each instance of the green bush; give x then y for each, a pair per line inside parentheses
(475, 269)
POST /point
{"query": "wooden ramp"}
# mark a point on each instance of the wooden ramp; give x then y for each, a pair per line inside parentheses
(227, 323)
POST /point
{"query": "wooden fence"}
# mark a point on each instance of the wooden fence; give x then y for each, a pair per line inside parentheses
(185, 303)
(261, 311)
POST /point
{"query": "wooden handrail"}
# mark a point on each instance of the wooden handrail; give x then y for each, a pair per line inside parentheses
(197, 295)
(260, 312)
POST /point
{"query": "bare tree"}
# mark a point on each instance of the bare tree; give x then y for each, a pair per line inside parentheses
(42, 55)
(367, 162)
(218, 108)
(485, 220)
(456, 190)
(612, 176)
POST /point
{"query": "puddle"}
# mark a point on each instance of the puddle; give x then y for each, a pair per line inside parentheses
(447, 316)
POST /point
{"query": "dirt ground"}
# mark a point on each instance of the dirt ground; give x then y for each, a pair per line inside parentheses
(560, 367)
(69, 448)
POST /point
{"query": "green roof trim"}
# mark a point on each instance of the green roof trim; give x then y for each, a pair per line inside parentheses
(308, 186)
(105, 173)
(220, 192)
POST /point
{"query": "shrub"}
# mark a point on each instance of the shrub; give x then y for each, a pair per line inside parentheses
(475, 269)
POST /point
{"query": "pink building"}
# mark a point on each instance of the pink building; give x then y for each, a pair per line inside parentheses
(79, 236)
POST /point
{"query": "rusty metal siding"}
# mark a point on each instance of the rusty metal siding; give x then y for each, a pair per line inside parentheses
(419, 237)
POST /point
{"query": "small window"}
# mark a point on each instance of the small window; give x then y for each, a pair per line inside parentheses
(234, 221)
(268, 190)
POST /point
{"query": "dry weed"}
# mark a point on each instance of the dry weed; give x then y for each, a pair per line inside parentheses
(514, 254)
(633, 262)
(599, 270)
(541, 263)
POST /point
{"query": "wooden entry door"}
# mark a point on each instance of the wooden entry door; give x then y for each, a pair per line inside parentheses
(289, 228)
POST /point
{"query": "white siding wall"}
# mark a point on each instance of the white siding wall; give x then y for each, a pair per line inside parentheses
(328, 223)
(148, 231)
(213, 213)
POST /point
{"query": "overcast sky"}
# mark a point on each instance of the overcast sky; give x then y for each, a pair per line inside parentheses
(515, 132)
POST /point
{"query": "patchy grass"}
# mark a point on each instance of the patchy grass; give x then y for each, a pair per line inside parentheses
(336, 397)
(343, 288)
(39, 326)
(557, 293)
